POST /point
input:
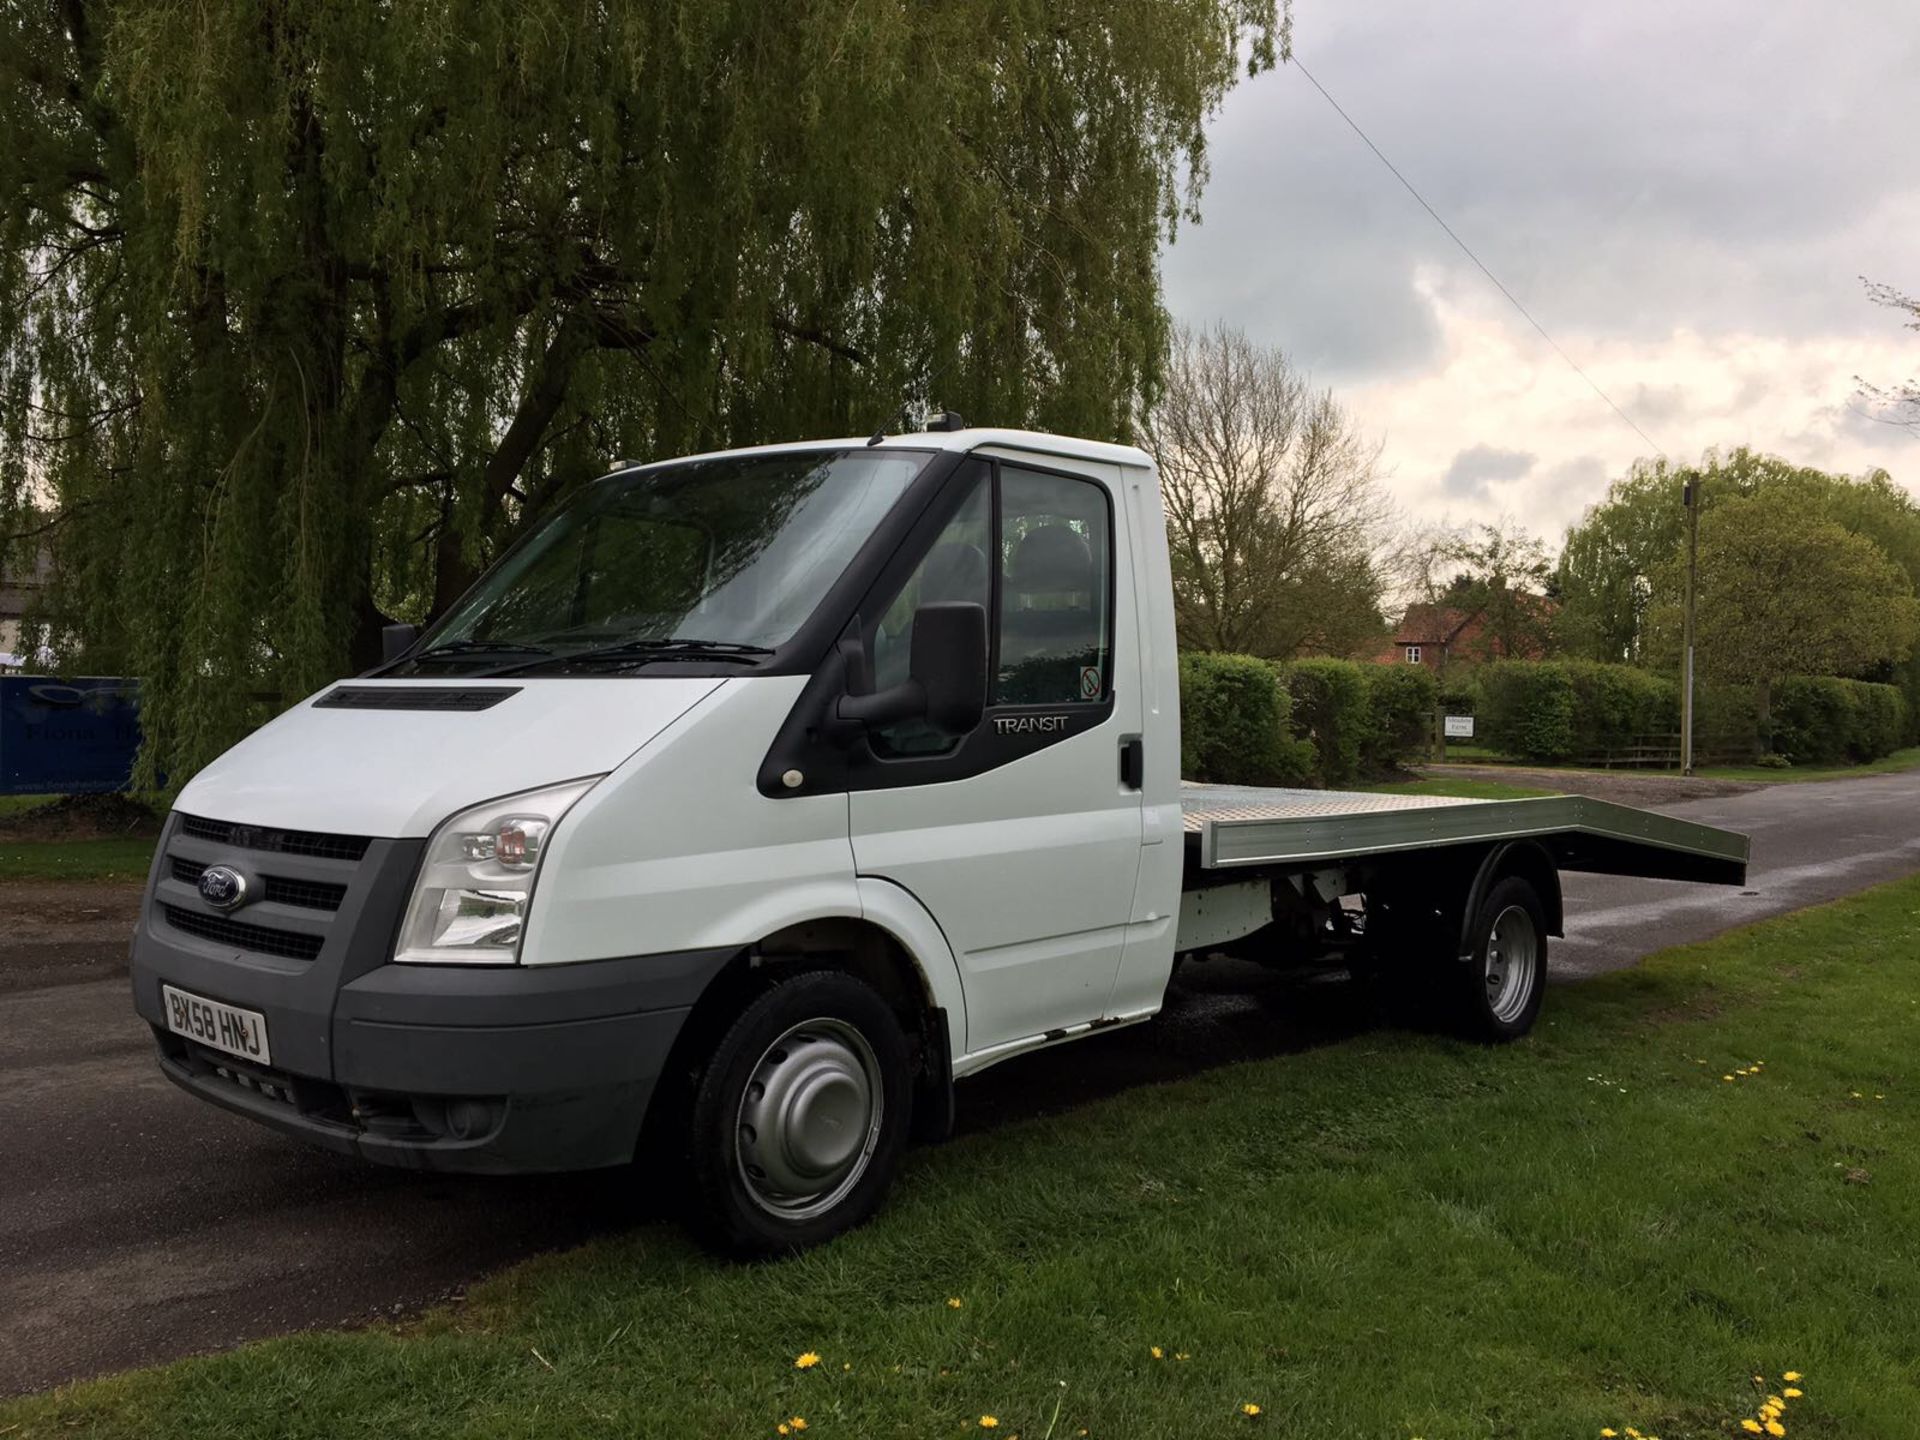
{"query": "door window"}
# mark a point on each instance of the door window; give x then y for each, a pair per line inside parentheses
(954, 569)
(1041, 559)
(1056, 597)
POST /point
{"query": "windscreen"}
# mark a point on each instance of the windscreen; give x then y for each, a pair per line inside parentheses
(736, 550)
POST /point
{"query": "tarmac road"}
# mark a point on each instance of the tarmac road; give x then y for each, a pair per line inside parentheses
(137, 1224)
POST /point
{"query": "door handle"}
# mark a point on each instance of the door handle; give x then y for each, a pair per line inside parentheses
(1133, 762)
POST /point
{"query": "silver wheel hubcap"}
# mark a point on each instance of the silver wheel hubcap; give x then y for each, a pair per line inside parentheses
(1513, 964)
(809, 1119)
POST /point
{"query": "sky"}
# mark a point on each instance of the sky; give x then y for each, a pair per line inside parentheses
(1685, 196)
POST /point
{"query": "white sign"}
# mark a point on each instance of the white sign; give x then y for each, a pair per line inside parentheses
(1459, 727)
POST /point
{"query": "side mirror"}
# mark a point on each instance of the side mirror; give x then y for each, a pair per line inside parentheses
(946, 681)
(949, 661)
(396, 640)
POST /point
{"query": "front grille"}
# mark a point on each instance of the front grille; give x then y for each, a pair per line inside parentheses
(307, 894)
(313, 843)
(261, 939)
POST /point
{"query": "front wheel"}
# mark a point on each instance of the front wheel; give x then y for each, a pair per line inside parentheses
(1499, 989)
(801, 1116)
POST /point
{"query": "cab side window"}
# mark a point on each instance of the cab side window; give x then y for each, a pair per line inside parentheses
(1056, 597)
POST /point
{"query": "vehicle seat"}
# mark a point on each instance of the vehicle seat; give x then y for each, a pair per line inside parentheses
(1049, 626)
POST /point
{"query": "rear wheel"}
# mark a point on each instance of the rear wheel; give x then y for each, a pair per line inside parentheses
(800, 1117)
(1499, 989)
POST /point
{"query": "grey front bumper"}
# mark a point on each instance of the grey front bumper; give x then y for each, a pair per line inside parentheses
(488, 1071)
(491, 1069)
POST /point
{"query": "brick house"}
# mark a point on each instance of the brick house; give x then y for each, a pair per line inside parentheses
(1432, 635)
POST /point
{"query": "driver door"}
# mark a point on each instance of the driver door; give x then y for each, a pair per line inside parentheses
(1020, 837)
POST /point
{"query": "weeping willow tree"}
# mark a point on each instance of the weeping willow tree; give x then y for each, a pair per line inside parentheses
(307, 309)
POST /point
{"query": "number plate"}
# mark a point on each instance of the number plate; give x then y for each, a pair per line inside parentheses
(224, 1027)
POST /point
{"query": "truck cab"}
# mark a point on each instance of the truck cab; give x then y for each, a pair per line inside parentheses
(746, 803)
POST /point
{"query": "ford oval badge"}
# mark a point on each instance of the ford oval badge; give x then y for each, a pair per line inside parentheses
(223, 887)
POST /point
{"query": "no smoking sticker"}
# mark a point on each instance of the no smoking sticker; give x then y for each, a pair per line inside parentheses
(1089, 682)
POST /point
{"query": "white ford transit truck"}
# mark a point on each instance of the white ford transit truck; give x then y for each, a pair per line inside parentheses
(752, 799)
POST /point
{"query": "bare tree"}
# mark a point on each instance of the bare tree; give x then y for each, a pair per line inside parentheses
(1499, 572)
(1894, 404)
(1275, 508)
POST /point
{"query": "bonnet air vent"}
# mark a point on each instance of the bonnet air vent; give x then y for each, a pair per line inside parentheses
(412, 697)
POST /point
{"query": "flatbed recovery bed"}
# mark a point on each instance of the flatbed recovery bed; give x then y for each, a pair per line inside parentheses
(1234, 827)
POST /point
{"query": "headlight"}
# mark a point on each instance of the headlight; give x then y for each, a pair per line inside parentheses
(469, 905)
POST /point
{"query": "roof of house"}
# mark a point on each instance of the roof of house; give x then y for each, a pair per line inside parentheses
(1432, 624)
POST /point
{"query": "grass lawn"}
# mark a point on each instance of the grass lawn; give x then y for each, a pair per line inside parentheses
(1388, 1237)
(75, 859)
(50, 837)
(1908, 759)
(1466, 789)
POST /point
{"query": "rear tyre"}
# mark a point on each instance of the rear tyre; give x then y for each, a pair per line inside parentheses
(800, 1118)
(1499, 989)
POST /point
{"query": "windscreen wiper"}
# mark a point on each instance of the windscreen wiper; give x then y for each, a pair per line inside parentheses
(641, 652)
(673, 648)
(453, 648)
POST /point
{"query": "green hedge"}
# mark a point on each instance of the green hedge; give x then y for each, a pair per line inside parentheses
(1567, 709)
(1820, 720)
(1330, 709)
(1570, 710)
(1401, 700)
(1234, 723)
(1614, 705)
(1529, 709)
(1245, 721)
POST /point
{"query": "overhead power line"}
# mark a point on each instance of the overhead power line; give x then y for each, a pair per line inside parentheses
(1467, 250)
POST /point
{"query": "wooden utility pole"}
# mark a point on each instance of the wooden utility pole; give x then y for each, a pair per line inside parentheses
(1690, 497)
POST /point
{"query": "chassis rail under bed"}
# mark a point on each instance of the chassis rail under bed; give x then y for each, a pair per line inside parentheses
(1234, 826)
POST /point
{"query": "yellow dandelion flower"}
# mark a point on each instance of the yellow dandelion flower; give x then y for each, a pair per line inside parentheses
(1181, 1355)
(987, 1422)
(1792, 1393)
(1858, 1096)
(1752, 1427)
(1607, 1432)
(1774, 1427)
(1249, 1410)
(953, 1302)
(1632, 1433)
(1156, 1352)
(1791, 1376)
(780, 1429)
(806, 1361)
(1726, 1077)
(1776, 1402)
(798, 1423)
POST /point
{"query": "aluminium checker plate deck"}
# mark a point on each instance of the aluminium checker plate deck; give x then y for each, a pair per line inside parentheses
(1234, 826)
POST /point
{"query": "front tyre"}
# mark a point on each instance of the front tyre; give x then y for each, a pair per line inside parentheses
(1501, 986)
(800, 1118)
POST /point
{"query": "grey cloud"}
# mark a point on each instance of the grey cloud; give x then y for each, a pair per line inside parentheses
(1878, 427)
(1625, 170)
(1555, 496)
(1474, 469)
(1650, 404)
